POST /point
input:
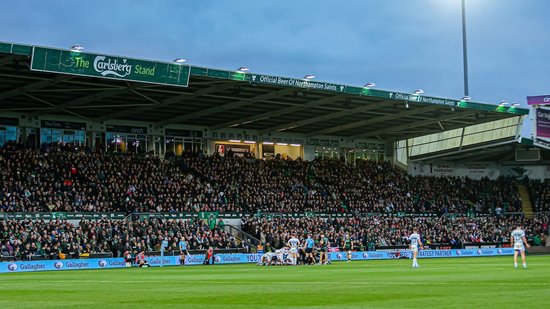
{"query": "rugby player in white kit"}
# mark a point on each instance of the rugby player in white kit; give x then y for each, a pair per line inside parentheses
(283, 256)
(294, 243)
(267, 259)
(415, 244)
(519, 242)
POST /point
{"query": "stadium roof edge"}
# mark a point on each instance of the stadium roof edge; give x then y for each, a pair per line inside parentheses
(254, 78)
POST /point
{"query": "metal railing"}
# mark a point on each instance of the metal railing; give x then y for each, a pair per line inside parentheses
(245, 238)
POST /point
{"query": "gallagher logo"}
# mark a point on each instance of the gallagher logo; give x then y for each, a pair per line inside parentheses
(58, 265)
(478, 251)
(217, 259)
(365, 255)
(499, 251)
(194, 259)
(457, 252)
(102, 263)
(12, 267)
(339, 256)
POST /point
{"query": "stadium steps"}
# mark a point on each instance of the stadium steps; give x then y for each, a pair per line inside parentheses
(243, 236)
(525, 201)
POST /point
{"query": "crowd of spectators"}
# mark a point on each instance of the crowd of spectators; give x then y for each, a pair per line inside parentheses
(539, 192)
(73, 180)
(55, 239)
(378, 187)
(26, 239)
(382, 231)
(79, 180)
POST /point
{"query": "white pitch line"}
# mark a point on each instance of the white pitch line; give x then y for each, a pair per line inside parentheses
(297, 282)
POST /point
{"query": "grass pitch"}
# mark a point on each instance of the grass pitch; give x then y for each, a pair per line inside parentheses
(439, 283)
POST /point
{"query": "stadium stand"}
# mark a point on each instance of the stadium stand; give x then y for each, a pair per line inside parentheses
(132, 152)
(73, 179)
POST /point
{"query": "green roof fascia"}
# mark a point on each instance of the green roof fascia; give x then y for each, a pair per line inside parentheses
(26, 50)
(16, 49)
(351, 90)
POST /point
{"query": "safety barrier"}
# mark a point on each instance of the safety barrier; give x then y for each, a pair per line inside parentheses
(155, 261)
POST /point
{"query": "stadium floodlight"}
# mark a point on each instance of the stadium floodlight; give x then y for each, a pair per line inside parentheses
(234, 141)
(309, 76)
(418, 92)
(465, 98)
(242, 69)
(179, 60)
(406, 104)
(249, 142)
(77, 48)
(503, 103)
(267, 143)
(515, 104)
(370, 85)
(282, 144)
(295, 145)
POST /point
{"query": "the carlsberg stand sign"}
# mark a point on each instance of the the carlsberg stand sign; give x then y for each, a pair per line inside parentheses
(112, 67)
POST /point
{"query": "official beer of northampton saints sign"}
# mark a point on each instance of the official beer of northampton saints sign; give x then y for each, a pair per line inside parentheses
(302, 83)
(293, 82)
(103, 66)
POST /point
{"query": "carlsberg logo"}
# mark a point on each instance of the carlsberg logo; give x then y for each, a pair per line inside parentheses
(106, 66)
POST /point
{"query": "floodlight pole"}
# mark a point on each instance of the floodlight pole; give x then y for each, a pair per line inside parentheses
(465, 50)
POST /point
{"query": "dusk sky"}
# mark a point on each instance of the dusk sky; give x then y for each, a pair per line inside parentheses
(400, 45)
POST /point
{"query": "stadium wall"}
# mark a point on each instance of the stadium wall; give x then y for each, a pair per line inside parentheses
(239, 258)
